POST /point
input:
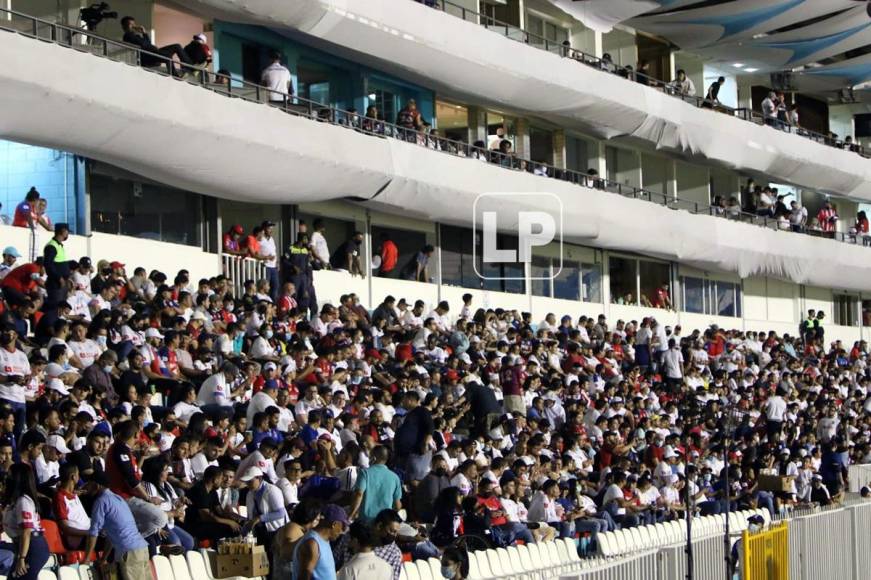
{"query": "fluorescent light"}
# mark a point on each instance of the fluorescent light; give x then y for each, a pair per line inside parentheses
(751, 70)
(738, 65)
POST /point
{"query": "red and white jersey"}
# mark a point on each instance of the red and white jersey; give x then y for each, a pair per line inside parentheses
(13, 363)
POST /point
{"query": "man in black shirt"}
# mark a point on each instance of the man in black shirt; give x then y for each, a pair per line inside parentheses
(711, 98)
(347, 256)
(90, 458)
(414, 435)
(137, 36)
(203, 519)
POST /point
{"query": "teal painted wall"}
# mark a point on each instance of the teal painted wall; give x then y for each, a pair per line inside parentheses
(57, 175)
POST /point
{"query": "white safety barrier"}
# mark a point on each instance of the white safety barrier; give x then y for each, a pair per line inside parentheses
(859, 476)
(239, 270)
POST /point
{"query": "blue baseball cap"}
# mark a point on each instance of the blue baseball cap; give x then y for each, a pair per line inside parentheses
(11, 251)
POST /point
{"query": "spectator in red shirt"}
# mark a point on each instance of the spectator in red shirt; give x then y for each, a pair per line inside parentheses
(504, 532)
(25, 212)
(661, 298)
(22, 281)
(828, 219)
(232, 241)
(389, 255)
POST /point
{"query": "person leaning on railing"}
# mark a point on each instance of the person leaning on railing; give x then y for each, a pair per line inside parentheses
(138, 36)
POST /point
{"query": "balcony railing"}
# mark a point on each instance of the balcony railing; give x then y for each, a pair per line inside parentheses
(85, 41)
(630, 74)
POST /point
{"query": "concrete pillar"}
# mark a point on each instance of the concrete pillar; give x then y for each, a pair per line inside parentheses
(477, 124)
(521, 137)
(671, 183)
(598, 44)
(597, 159)
(559, 148)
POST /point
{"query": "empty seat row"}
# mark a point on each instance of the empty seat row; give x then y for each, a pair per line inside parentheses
(531, 562)
(648, 537)
(192, 566)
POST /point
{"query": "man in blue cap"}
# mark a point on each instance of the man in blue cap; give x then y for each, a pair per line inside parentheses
(10, 254)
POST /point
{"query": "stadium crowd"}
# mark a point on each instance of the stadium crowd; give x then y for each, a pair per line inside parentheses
(140, 414)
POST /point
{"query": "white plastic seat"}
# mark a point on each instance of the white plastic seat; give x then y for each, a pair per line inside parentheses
(539, 558)
(571, 549)
(474, 569)
(483, 564)
(86, 572)
(67, 573)
(45, 574)
(423, 570)
(162, 568)
(196, 566)
(411, 570)
(180, 567)
(495, 564)
(555, 557)
(403, 575)
(435, 568)
(606, 543)
(635, 541)
(517, 563)
(509, 567)
(523, 557)
(621, 539)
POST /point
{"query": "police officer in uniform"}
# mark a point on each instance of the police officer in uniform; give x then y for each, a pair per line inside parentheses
(297, 268)
(57, 267)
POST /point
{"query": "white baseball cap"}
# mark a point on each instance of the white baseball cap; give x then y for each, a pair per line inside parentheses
(57, 442)
(251, 473)
(153, 333)
(59, 386)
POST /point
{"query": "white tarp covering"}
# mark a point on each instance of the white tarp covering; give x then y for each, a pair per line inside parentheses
(602, 15)
(176, 133)
(184, 136)
(464, 58)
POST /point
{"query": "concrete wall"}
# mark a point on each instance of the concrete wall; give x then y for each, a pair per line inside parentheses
(168, 258)
(693, 183)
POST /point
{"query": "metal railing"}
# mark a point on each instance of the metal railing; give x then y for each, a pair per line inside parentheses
(239, 270)
(629, 73)
(85, 41)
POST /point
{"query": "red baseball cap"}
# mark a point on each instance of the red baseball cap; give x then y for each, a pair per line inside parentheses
(373, 353)
(237, 229)
(116, 265)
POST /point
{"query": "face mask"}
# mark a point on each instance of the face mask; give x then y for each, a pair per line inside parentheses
(101, 340)
(268, 334)
(753, 528)
(447, 572)
(230, 308)
(108, 368)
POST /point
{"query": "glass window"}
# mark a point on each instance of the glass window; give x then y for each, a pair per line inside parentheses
(453, 121)
(591, 282)
(408, 243)
(623, 273)
(655, 278)
(540, 273)
(565, 284)
(503, 277)
(145, 210)
(846, 310)
(713, 297)
(457, 255)
(694, 295)
(726, 299)
(866, 313)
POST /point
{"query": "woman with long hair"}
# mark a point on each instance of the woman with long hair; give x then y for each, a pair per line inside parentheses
(155, 473)
(22, 522)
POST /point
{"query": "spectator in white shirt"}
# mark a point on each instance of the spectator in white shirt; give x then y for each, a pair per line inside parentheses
(319, 247)
(276, 77)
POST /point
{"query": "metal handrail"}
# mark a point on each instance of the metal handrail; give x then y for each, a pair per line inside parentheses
(513, 32)
(64, 35)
